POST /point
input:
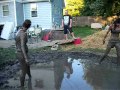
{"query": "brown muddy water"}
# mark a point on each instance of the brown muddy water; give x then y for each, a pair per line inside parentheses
(67, 71)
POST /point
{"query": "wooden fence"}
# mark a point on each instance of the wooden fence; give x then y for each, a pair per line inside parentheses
(87, 20)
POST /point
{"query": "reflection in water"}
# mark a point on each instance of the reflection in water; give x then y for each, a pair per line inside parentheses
(68, 67)
(102, 77)
(60, 67)
(29, 85)
(70, 74)
(39, 83)
(75, 81)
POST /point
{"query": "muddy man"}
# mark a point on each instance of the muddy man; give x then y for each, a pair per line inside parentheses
(22, 50)
(114, 40)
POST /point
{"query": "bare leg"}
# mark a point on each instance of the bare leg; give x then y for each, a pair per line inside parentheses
(29, 84)
(23, 68)
(28, 71)
(106, 53)
(66, 37)
(73, 35)
(118, 53)
(22, 77)
(27, 67)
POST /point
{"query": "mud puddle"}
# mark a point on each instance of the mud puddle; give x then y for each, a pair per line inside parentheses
(68, 72)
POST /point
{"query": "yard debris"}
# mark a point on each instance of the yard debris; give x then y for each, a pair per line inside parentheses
(77, 41)
(55, 47)
(96, 25)
(95, 40)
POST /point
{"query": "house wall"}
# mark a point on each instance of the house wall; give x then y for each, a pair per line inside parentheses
(57, 11)
(18, 0)
(11, 16)
(44, 18)
(35, 1)
(19, 13)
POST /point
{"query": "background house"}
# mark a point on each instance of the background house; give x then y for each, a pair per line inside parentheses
(45, 13)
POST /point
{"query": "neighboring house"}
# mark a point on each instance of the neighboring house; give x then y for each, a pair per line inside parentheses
(44, 13)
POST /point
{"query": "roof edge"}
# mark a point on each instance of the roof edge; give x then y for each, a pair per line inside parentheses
(30, 1)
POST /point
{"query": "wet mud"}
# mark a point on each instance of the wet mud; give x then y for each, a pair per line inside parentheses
(63, 71)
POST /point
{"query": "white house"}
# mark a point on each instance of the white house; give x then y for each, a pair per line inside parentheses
(44, 13)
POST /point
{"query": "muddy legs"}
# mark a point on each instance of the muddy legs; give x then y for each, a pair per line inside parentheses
(117, 46)
(25, 70)
(22, 78)
(118, 53)
(105, 55)
(28, 71)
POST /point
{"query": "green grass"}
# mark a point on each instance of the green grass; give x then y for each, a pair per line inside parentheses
(83, 31)
(6, 55)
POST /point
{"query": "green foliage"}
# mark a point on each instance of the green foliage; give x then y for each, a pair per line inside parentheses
(74, 6)
(101, 7)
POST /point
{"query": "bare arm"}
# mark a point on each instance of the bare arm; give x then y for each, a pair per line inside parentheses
(116, 30)
(106, 34)
(70, 22)
(62, 23)
(23, 37)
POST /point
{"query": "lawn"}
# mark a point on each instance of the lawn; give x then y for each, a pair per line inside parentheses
(6, 55)
(83, 31)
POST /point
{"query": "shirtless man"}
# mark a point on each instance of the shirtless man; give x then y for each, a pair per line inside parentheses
(114, 40)
(22, 50)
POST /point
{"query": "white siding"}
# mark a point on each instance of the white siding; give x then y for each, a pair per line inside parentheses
(44, 18)
(18, 0)
(19, 13)
(11, 16)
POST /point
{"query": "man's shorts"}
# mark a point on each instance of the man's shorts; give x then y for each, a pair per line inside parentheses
(67, 30)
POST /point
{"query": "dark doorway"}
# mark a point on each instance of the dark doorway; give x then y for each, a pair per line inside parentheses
(1, 28)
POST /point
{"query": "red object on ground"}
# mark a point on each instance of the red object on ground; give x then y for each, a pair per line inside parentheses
(77, 41)
(46, 37)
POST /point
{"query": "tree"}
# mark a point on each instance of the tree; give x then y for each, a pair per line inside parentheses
(101, 7)
(74, 6)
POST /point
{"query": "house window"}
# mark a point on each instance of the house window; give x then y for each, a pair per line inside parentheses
(5, 10)
(34, 10)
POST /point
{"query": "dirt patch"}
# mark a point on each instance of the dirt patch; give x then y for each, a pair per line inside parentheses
(7, 43)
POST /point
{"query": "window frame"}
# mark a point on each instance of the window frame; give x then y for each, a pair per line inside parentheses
(5, 10)
(33, 10)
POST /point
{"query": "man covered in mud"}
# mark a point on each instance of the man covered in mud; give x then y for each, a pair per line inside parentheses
(22, 50)
(114, 40)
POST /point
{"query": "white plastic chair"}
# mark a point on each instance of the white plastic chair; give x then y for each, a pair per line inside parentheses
(36, 33)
